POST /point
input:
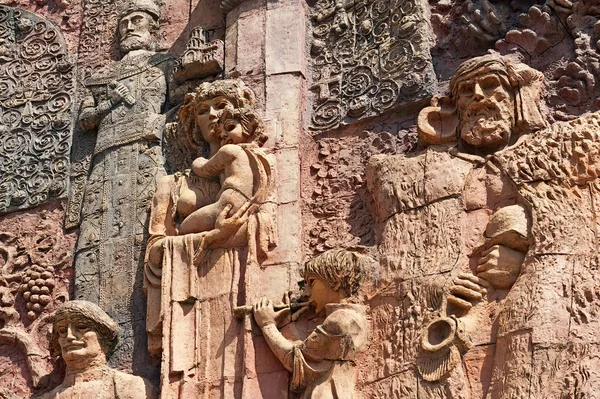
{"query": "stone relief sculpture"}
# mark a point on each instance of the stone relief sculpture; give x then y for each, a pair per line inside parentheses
(36, 91)
(484, 91)
(208, 226)
(127, 104)
(322, 365)
(83, 335)
(124, 105)
(367, 58)
(506, 206)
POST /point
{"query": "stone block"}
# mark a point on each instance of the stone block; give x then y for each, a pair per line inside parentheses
(250, 51)
(285, 49)
(396, 183)
(288, 175)
(206, 13)
(270, 281)
(289, 228)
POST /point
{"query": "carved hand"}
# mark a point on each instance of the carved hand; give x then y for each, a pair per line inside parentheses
(227, 226)
(500, 266)
(120, 93)
(264, 312)
(466, 290)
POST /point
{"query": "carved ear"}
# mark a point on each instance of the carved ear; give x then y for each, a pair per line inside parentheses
(437, 124)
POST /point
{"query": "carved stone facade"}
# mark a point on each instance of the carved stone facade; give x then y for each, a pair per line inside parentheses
(366, 58)
(35, 107)
(294, 199)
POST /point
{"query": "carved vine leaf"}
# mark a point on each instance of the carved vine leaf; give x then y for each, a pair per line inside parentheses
(338, 200)
(36, 88)
(469, 28)
(561, 38)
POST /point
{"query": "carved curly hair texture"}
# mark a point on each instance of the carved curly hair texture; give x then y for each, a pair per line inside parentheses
(339, 266)
(101, 323)
(250, 121)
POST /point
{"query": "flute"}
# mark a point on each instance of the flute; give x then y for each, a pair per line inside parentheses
(296, 308)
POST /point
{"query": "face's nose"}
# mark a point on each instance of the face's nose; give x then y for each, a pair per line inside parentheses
(307, 291)
(70, 334)
(478, 92)
(213, 114)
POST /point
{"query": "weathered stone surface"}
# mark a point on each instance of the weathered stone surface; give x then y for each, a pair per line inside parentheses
(33, 248)
(36, 105)
(360, 55)
(83, 335)
(486, 243)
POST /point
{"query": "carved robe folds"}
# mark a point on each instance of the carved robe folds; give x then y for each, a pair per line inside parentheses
(191, 295)
(126, 163)
(323, 363)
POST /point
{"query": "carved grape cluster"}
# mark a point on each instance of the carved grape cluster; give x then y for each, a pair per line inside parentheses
(37, 284)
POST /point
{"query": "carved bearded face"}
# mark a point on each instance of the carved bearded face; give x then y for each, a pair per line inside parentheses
(136, 31)
(78, 341)
(486, 110)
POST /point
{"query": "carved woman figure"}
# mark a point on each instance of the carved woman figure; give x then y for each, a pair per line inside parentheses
(323, 364)
(193, 276)
(84, 336)
(235, 163)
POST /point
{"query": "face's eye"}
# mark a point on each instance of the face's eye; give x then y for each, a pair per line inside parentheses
(138, 19)
(62, 331)
(311, 281)
(229, 127)
(82, 327)
(466, 89)
(489, 82)
(222, 104)
(203, 109)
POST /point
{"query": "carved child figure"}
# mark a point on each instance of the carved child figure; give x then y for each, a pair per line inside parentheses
(84, 335)
(322, 364)
(241, 134)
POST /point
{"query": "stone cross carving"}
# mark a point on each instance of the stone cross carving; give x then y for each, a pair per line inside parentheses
(36, 89)
(327, 78)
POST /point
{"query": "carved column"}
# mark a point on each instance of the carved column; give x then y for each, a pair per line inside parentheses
(265, 45)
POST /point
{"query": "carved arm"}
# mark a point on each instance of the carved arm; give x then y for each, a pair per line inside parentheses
(212, 167)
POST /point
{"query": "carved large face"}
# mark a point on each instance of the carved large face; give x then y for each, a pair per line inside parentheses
(486, 110)
(208, 113)
(319, 293)
(78, 341)
(135, 31)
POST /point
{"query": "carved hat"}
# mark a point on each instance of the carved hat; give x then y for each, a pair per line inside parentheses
(105, 327)
(150, 6)
(526, 81)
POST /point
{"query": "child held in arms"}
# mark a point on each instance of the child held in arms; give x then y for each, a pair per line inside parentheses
(323, 364)
(243, 169)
